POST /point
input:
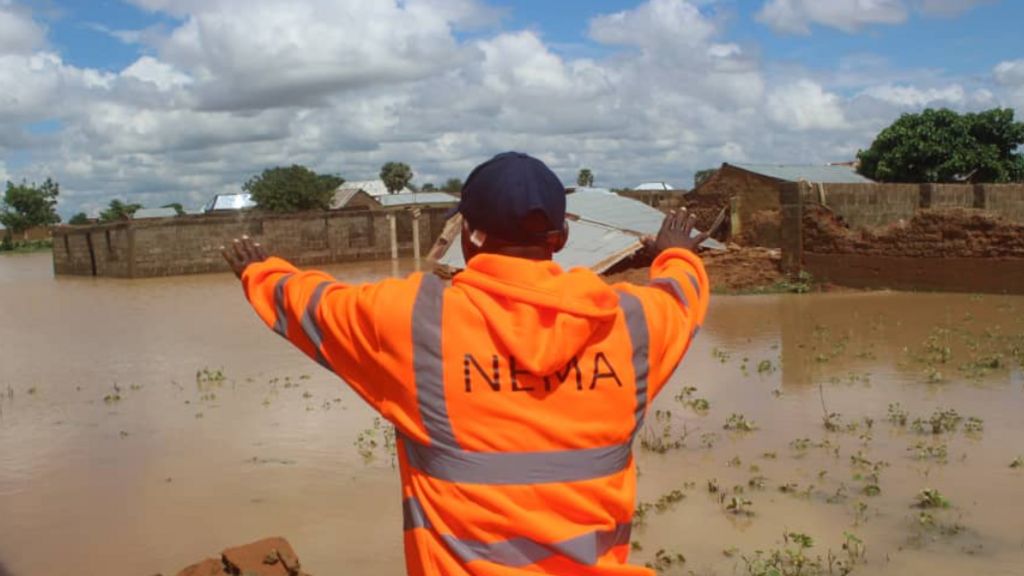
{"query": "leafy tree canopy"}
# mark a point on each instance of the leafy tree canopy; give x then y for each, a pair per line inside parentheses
(452, 185)
(585, 178)
(177, 207)
(944, 146)
(79, 219)
(292, 189)
(701, 175)
(118, 210)
(27, 205)
(396, 176)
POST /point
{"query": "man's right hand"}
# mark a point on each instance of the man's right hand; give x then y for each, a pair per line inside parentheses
(677, 231)
(242, 253)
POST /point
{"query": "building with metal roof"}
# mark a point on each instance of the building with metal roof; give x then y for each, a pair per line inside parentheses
(145, 213)
(828, 174)
(222, 202)
(374, 188)
(655, 186)
(752, 192)
(353, 198)
(417, 199)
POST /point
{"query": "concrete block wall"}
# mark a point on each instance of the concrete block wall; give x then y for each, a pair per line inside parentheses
(1006, 200)
(868, 205)
(191, 244)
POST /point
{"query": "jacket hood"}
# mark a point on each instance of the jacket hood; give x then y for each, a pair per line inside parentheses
(541, 314)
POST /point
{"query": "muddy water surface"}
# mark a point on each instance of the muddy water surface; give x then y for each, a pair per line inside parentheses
(117, 458)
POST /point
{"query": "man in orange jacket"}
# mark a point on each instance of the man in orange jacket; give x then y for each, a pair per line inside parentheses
(517, 391)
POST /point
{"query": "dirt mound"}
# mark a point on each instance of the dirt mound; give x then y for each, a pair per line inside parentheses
(929, 234)
(736, 269)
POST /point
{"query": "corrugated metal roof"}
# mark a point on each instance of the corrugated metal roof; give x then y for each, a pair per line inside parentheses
(654, 186)
(590, 246)
(604, 207)
(143, 213)
(343, 197)
(792, 173)
(604, 228)
(231, 202)
(416, 198)
(374, 188)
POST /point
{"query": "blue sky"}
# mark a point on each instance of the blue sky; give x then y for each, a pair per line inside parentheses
(176, 100)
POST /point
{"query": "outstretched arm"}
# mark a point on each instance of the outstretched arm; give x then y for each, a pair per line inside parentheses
(348, 329)
(676, 300)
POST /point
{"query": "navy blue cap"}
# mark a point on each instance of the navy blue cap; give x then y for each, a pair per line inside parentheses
(500, 193)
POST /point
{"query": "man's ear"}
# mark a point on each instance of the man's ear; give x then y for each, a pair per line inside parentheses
(559, 241)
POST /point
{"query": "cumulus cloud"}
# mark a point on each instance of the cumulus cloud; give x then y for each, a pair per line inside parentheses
(1010, 73)
(805, 105)
(343, 86)
(797, 16)
(19, 33)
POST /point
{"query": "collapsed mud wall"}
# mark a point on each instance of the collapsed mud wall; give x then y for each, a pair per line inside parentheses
(933, 233)
(966, 249)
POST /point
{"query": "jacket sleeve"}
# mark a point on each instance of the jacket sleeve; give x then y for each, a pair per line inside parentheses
(675, 304)
(353, 330)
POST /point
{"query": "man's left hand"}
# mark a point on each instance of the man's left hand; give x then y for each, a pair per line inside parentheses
(242, 252)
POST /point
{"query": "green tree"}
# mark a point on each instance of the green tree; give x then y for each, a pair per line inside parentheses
(79, 219)
(177, 207)
(118, 210)
(25, 206)
(396, 176)
(700, 176)
(452, 185)
(292, 189)
(944, 146)
(428, 187)
(585, 178)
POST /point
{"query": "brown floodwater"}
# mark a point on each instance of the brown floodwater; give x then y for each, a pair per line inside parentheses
(116, 458)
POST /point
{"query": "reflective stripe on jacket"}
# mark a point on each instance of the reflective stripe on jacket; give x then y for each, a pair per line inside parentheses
(516, 393)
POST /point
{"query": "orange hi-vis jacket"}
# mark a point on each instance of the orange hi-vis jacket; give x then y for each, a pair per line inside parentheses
(516, 394)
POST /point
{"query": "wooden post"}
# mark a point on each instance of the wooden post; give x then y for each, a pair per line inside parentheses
(791, 201)
(416, 234)
(735, 221)
(393, 225)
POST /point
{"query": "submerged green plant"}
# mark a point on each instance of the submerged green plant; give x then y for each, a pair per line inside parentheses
(740, 423)
(931, 498)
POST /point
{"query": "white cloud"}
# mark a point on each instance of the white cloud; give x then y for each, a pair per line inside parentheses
(19, 33)
(150, 70)
(345, 85)
(805, 105)
(797, 16)
(1010, 73)
(914, 97)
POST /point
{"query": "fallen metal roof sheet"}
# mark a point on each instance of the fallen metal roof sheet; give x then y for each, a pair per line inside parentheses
(590, 246)
(792, 173)
(416, 199)
(604, 229)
